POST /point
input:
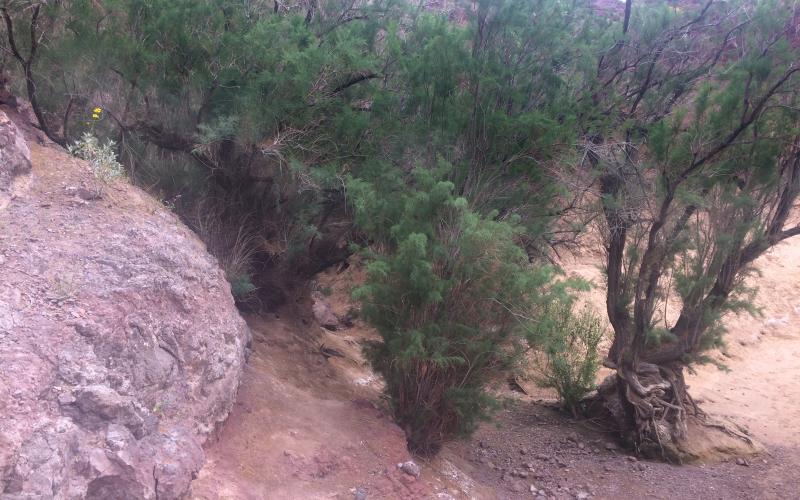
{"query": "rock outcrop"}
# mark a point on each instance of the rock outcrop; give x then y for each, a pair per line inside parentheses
(15, 163)
(121, 349)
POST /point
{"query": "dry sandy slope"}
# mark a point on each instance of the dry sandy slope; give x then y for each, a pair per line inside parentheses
(762, 390)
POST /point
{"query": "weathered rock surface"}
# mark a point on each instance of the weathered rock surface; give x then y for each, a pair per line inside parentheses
(15, 161)
(120, 346)
(323, 312)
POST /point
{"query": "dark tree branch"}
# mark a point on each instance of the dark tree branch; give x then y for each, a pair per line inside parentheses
(27, 68)
(628, 4)
(355, 79)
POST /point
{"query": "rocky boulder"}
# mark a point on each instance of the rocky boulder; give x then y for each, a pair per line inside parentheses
(15, 161)
(121, 349)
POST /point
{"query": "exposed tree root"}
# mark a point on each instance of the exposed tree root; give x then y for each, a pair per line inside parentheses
(658, 418)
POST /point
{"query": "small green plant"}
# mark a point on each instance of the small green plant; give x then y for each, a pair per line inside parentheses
(101, 157)
(241, 285)
(570, 341)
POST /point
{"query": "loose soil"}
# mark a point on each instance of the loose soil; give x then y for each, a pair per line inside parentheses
(310, 425)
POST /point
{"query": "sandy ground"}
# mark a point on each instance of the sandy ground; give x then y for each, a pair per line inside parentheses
(312, 426)
(762, 388)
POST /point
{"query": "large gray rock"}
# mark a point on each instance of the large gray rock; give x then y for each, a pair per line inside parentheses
(120, 346)
(15, 159)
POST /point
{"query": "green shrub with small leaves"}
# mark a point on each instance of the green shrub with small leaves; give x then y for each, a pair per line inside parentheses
(241, 285)
(569, 339)
(450, 293)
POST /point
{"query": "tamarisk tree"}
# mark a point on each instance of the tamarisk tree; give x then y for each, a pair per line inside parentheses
(697, 153)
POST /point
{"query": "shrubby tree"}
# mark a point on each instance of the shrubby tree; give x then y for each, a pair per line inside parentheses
(451, 294)
(692, 128)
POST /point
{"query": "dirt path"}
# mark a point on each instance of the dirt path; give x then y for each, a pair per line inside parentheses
(305, 426)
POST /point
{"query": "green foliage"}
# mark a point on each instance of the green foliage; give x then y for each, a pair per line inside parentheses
(241, 285)
(449, 295)
(101, 157)
(570, 342)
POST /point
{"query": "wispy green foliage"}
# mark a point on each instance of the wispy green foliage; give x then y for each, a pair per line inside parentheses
(451, 293)
(570, 341)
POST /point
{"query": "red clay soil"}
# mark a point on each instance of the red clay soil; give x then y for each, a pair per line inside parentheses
(300, 431)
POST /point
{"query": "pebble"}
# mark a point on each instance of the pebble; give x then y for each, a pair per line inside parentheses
(518, 487)
(743, 462)
(411, 468)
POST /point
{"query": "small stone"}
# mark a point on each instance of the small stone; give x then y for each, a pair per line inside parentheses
(742, 462)
(582, 495)
(89, 194)
(581, 446)
(641, 466)
(611, 446)
(66, 398)
(518, 487)
(411, 468)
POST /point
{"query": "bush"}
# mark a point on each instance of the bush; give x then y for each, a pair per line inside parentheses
(447, 294)
(241, 285)
(570, 343)
(101, 157)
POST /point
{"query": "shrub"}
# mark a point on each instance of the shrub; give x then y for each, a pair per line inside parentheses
(101, 157)
(447, 293)
(570, 343)
(241, 285)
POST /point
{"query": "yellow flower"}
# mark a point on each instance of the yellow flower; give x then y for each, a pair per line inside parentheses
(95, 116)
(97, 111)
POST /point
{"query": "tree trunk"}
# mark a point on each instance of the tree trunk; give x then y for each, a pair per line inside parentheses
(650, 406)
